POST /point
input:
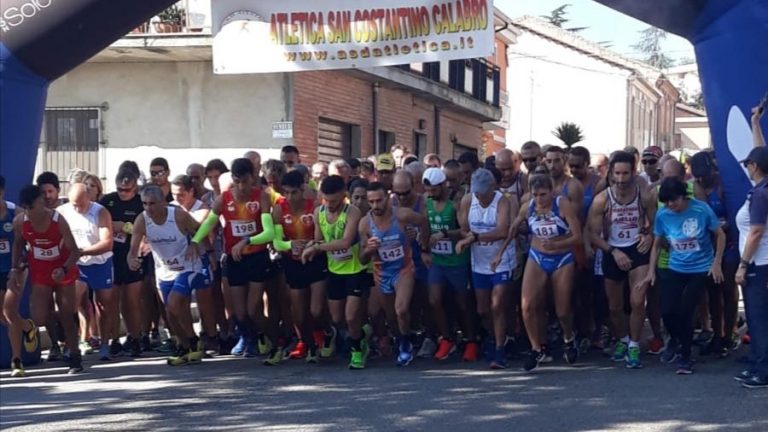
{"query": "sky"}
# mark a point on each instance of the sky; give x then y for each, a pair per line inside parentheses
(604, 24)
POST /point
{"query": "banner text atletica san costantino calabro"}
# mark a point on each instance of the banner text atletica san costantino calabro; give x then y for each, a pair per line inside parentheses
(377, 25)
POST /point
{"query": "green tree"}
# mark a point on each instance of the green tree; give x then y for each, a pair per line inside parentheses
(649, 46)
(569, 134)
(558, 17)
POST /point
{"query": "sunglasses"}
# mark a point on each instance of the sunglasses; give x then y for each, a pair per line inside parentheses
(530, 160)
(157, 173)
(650, 161)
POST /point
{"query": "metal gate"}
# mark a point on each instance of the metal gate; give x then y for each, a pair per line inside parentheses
(70, 139)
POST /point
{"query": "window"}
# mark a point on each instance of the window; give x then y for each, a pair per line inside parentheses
(386, 141)
(420, 144)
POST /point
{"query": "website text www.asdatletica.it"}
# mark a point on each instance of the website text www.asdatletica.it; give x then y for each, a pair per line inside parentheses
(377, 52)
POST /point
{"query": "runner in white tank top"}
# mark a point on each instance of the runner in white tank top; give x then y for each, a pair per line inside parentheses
(91, 226)
(178, 267)
(620, 221)
(485, 217)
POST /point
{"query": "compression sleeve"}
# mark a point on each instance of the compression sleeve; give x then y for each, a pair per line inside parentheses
(268, 233)
(280, 244)
(205, 228)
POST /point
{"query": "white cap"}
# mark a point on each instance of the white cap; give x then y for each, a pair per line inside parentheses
(433, 177)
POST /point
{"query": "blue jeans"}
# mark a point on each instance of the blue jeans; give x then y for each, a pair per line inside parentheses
(755, 294)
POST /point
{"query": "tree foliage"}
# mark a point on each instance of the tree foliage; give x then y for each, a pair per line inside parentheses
(649, 46)
(559, 17)
(569, 133)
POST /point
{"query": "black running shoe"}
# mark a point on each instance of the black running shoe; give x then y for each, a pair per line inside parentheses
(75, 364)
(135, 347)
(570, 352)
(145, 346)
(115, 348)
(533, 359)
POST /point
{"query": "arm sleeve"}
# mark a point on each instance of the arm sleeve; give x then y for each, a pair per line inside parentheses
(206, 227)
(268, 233)
(658, 230)
(758, 207)
(280, 244)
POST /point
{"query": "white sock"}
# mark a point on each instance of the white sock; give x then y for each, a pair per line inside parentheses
(634, 344)
(625, 339)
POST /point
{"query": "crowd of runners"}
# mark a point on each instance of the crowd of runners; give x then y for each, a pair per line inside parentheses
(531, 255)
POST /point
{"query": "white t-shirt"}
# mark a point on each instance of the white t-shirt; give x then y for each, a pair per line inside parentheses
(760, 256)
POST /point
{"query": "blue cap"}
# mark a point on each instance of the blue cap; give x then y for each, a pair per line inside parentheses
(483, 181)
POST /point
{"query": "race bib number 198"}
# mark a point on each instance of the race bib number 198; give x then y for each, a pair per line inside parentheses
(243, 228)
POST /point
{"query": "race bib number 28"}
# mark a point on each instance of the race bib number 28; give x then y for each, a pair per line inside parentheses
(45, 254)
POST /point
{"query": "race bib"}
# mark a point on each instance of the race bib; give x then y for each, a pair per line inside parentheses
(45, 254)
(341, 255)
(686, 245)
(392, 253)
(297, 247)
(120, 237)
(5, 246)
(243, 228)
(442, 247)
(174, 264)
(545, 230)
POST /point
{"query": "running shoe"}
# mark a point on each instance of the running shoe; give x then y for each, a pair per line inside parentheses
(746, 339)
(75, 364)
(115, 348)
(744, 375)
(318, 337)
(328, 346)
(85, 348)
(196, 350)
(444, 349)
(299, 351)
(135, 346)
(703, 337)
(54, 354)
(619, 352)
(179, 358)
(274, 357)
(735, 342)
(715, 347)
(104, 353)
(311, 355)
(145, 344)
(670, 353)
(239, 349)
(17, 369)
(533, 360)
(30, 338)
(547, 356)
(755, 382)
(226, 345)
(167, 346)
(470, 352)
(405, 356)
(570, 352)
(95, 343)
(633, 358)
(499, 359)
(428, 348)
(684, 367)
(264, 344)
(489, 348)
(585, 344)
(154, 338)
(356, 359)
(655, 346)
(251, 351)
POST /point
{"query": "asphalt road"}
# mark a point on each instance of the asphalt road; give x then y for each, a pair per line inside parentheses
(241, 394)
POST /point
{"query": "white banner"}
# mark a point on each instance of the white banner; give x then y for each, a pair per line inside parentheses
(258, 36)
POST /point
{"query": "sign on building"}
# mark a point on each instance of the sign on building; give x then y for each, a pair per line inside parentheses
(282, 129)
(256, 36)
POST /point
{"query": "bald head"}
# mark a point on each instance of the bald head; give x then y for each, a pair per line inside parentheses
(78, 196)
(673, 168)
(403, 179)
(505, 163)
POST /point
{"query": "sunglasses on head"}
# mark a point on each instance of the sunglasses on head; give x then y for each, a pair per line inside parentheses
(157, 173)
(649, 161)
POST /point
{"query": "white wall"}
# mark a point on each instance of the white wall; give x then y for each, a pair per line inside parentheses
(177, 110)
(549, 83)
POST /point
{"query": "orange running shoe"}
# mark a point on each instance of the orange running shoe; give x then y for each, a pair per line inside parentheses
(444, 349)
(470, 352)
(655, 346)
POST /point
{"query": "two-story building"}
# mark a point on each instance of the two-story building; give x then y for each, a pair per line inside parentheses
(153, 93)
(556, 76)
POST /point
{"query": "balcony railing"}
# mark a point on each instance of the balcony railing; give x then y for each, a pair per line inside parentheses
(476, 77)
(185, 16)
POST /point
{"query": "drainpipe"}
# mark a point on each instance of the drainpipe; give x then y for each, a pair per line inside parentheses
(375, 101)
(437, 130)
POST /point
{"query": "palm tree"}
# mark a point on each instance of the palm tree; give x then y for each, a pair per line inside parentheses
(569, 134)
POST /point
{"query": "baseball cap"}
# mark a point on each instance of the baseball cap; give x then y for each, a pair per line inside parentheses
(758, 155)
(482, 181)
(385, 162)
(433, 177)
(654, 151)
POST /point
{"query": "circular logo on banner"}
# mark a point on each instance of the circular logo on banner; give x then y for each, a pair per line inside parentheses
(8, 227)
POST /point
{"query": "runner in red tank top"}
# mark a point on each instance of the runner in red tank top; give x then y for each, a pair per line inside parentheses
(247, 229)
(51, 258)
(294, 215)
